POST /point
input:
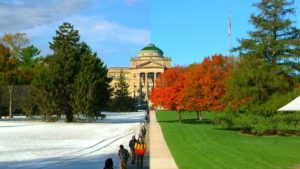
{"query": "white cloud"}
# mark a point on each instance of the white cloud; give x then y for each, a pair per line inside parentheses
(40, 18)
(106, 30)
(16, 15)
(98, 30)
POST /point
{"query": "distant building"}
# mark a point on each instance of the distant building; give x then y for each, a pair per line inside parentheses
(143, 71)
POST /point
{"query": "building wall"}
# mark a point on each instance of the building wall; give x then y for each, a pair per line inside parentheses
(142, 73)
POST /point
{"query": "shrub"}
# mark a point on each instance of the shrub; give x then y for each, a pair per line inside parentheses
(225, 119)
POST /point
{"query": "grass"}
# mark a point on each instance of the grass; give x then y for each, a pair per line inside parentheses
(200, 145)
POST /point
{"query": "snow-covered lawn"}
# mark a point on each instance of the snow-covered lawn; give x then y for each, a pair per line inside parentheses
(36, 144)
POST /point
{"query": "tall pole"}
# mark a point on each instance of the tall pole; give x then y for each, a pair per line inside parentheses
(229, 33)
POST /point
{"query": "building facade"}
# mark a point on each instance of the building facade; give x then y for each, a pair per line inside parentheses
(143, 71)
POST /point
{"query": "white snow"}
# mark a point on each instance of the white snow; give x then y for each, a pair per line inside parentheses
(36, 144)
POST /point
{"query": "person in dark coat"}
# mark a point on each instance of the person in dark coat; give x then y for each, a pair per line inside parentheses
(131, 146)
(109, 164)
(143, 131)
(123, 156)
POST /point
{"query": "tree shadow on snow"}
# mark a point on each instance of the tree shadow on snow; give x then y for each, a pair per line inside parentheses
(94, 162)
(71, 162)
(121, 121)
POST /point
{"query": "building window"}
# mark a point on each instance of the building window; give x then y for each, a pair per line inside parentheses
(150, 75)
(158, 74)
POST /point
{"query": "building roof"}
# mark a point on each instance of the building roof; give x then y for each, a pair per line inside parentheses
(292, 106)
(151, 48)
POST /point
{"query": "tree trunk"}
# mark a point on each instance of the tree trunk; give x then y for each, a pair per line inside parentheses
(69, 117)
(199, 116)
(180, 116)
(10, 90)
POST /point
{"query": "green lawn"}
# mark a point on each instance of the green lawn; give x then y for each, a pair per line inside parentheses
(197, 145)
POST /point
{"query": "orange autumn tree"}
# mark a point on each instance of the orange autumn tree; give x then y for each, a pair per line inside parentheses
(204, 84)
(8, 72)
(16, 63)
(167, 88)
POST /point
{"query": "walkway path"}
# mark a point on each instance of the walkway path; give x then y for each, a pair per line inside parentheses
(160, 156)
(146, 162)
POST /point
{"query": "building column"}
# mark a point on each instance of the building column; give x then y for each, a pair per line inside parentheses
(134, 89)
(154, 79)
(140, 86)
(146, 85)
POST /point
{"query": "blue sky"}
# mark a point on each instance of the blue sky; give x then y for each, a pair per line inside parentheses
(186, 31)
(192, 30)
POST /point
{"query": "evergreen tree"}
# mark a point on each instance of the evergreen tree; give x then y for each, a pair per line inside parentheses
(91, 85)
(64, 65)
(121, 87)
(275, 39)
(28, 56)
(269, 57)
(71, 81)
(253, 81)
(41, 100)
(265, 69)
(122, 101)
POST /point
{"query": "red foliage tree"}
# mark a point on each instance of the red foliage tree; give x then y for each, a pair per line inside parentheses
(204, 84)
(167, 89)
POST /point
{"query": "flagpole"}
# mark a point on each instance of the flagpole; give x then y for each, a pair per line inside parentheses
(229, 33)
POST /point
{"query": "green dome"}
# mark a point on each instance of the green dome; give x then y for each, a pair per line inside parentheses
(151, 47)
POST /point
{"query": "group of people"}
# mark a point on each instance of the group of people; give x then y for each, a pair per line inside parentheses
(137, 147)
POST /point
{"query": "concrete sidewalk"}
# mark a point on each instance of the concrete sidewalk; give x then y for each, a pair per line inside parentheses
(160, 156)
(146, 160)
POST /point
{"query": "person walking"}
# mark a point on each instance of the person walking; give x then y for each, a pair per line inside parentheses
(143, 131)
(140, 148)
(147, 119)
(131, 146)
(123, 156)
(109, 164)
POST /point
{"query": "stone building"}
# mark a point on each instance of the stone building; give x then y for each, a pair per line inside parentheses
(143, 71)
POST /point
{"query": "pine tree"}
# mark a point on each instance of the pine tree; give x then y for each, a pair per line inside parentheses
(28, 56)
(41, 100)
(122, 87)
(91, 85)
(253, 81)
(71, 81)
(275, 39)
(268, 58)
(122, 101)
(64, 65)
